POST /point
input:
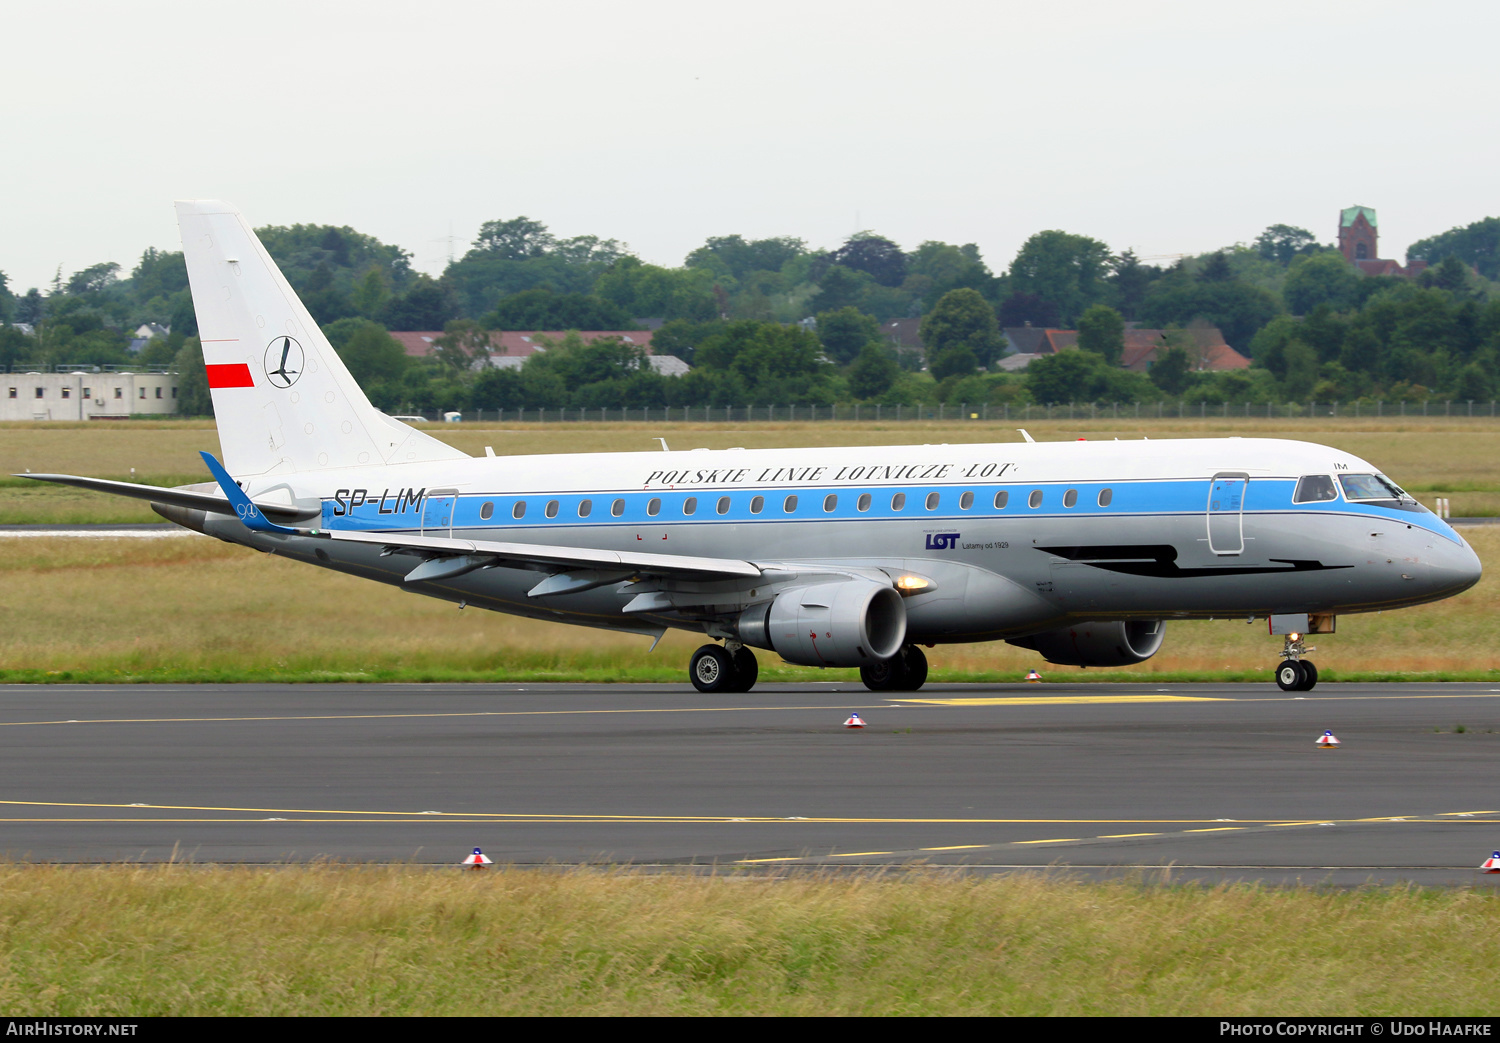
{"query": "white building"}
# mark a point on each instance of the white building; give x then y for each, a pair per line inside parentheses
(86, 396)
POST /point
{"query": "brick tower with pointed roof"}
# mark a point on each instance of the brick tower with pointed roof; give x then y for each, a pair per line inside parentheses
(1357, 234)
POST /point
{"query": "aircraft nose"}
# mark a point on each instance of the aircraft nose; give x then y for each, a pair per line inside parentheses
(1455, 566)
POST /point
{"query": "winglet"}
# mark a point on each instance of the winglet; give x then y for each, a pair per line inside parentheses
(243, 507)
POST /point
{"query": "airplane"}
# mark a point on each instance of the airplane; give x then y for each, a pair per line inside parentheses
(847, 557)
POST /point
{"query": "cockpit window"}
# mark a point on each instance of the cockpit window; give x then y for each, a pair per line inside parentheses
(1313, 488)
(1370, 487)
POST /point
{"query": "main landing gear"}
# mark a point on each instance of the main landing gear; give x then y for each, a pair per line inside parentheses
(1296, 674)
(715, 669)
(906, 671)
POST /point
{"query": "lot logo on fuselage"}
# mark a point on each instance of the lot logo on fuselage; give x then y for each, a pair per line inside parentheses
(284, 362)
(942, 540)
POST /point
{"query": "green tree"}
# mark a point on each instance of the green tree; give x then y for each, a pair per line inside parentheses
(370, 353)
(963, 321)
(845, 333)
(1172, 370)
(463, 343)
(875, 255)
(873, 372)
(736, 257)
(840, 287)
(1321, 279)
(1102, 331)
(193, 396)
(1477, 244)
(1281, 243)
(640, 289)
(1068, 270)
(542, 309)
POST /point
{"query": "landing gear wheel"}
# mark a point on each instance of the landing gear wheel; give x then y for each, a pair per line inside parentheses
(906, 671)
(884, 676)
(712, 670)
(1309, 675)
(1290, 676)
(746, 670)
(916, 668)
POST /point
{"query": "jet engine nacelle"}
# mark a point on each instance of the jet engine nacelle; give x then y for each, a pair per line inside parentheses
(1098, 644)
(844, 623)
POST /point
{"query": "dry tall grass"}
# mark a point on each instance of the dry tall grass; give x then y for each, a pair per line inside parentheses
(193, 608)
(173, 940)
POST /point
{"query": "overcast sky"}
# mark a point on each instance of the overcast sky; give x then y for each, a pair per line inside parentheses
(1162, 126)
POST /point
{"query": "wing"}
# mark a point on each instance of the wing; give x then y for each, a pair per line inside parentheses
(571, 569)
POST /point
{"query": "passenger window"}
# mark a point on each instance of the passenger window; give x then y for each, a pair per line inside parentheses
(690, 505)
(617, 508)
(966, 501)
(1314, 488)
(790, 504)
(1070, 498)
(1106, 497)
(519, 510)
(486, 511)
(863, 503)
(723, 505)
(1035, 499)
(898, 502)
(757, 504)
(1001, 499)
(653, 506)
(830, 503)
(551, 511)
(932, 501)
(585, 508)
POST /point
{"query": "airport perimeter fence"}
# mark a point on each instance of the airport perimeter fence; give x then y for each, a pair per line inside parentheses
(1000, 412)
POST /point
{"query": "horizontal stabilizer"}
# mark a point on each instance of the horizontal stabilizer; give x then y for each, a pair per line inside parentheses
(210, 502)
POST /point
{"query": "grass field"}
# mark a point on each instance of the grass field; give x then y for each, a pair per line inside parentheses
(1457, 458)
(194, 609)
(330, 940)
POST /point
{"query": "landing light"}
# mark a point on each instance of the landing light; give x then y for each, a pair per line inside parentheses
(909, 584)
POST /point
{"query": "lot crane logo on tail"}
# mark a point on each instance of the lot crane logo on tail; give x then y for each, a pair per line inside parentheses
(284, 362)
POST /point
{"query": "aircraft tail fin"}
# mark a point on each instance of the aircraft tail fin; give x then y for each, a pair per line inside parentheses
(284, 400)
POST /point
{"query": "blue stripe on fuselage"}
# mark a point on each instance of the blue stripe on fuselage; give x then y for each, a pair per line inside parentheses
(1128, 499)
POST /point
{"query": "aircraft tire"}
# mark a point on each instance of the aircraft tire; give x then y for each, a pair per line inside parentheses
(712, 670)
(746, 670)
(1309, 676)
(915, 673)
(1290, 675)
(888, 675)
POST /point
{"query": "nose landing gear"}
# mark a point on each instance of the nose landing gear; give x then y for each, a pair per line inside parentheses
(715, 669)
(1296, 674)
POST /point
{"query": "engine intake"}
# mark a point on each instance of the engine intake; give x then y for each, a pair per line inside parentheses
(846, 623)
(1098, 644)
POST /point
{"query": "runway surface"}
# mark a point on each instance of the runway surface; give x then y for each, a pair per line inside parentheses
(1166, 782)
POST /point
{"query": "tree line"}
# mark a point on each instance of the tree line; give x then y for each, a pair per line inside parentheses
(773, 321)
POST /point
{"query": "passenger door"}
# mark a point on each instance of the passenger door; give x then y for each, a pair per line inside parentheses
(1226, 512)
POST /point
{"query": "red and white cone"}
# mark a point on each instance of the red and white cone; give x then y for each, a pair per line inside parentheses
(1491, 864)
(1032, 676)
(854, 721)
(477, 860)
(1327, 741)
